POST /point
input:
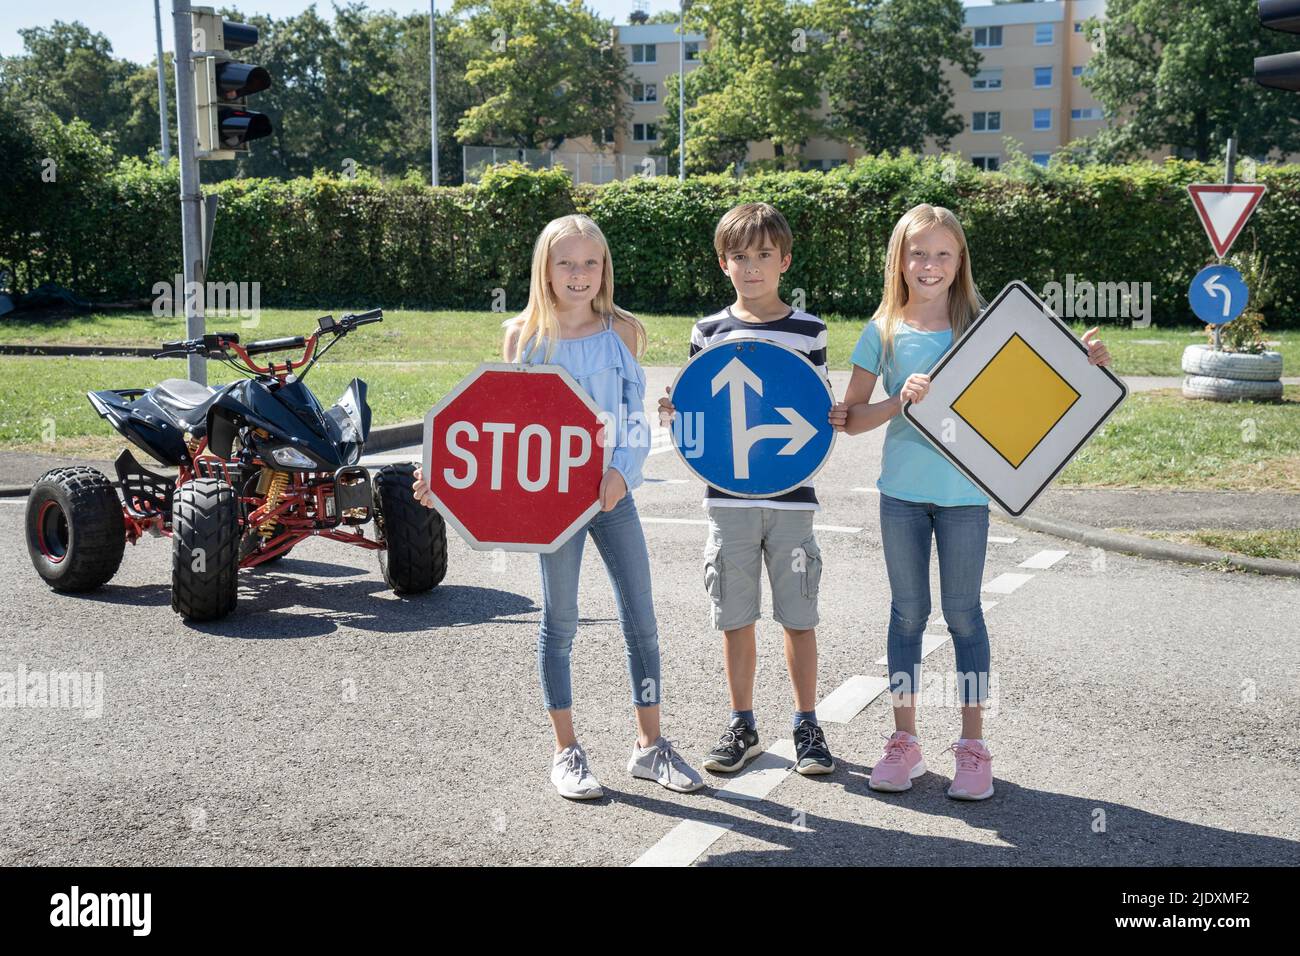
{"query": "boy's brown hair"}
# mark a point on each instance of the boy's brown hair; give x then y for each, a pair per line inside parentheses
(742, 226)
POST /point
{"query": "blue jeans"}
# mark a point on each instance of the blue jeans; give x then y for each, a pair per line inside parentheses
(621, 543)
(961, 534)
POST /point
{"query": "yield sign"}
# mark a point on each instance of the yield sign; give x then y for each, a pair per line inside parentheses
(1224, 210)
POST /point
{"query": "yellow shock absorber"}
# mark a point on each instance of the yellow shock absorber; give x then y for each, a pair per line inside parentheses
(273, 492)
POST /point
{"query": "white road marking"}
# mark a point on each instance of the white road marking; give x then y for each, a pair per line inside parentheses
(1006, 583)
(994, 539)
(844, 529)
(929, 642)
(1043, 559)
(869, 491)
(764, 774)
(13, 501)
(846, 701)
(681, 845)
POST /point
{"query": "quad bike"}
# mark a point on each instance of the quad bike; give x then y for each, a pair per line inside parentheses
(262, 466)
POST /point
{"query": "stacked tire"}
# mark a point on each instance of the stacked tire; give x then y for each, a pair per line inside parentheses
(1231, 376)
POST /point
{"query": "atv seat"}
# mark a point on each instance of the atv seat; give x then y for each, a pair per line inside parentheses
(183, 401)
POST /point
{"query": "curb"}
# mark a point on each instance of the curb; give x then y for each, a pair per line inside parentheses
(1151, 548)
(384, 438)
(116, 351)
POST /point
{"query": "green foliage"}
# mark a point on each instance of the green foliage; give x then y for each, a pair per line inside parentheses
(113, 233)
(1181, 77)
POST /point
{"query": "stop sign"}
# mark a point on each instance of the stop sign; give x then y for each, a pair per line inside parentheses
(514, 456)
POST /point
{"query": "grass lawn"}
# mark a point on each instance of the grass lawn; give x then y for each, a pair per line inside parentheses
(1283, 544)
(474, 336)
(1161, 440)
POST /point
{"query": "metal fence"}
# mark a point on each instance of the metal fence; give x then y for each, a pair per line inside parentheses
(583, 167)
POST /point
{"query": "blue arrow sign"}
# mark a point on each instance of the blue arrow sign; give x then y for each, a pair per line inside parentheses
(1218, 294)
(751, 417)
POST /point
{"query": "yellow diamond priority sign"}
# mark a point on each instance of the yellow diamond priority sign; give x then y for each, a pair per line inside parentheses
(1015, 399)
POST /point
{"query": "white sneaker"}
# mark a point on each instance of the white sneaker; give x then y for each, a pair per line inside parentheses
(663, 764)
(572, 777)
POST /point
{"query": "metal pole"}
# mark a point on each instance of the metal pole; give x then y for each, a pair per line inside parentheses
(186, 148)
(162, 87)
(1231, 174)
(681, 90)
(433, 93)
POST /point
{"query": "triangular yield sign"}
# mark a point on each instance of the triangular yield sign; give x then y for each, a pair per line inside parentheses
(1224, 210)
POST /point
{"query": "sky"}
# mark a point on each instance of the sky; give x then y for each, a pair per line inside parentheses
(129, 24)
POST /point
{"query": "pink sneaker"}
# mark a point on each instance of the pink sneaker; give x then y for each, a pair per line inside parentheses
(974, 777)
(899, 766)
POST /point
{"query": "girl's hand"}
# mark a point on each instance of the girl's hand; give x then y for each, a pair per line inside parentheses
(915, 388)
(839, 416)
(420, 489)
(666, 410)
(1098, 354)
(612, 489)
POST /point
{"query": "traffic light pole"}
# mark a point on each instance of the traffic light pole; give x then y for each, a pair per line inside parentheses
(186, 148)
(164, 135)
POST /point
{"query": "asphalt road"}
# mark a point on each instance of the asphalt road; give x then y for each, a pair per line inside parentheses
(1145, 713)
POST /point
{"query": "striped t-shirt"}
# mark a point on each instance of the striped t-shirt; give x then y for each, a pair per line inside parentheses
(798, 330)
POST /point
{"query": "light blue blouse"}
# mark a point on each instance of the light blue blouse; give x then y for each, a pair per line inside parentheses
(604, 368)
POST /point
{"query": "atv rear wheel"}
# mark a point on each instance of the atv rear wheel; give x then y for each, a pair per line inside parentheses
(415, 559)
(75, 530)
(205, 549)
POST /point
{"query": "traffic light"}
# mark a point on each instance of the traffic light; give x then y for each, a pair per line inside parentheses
(222, 86)
(1282, 70)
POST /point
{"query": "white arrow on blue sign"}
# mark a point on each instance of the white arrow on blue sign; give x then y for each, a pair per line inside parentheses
(751, 418)
(1218, 294)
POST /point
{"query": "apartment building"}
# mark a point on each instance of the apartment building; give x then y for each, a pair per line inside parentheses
(1030, 88)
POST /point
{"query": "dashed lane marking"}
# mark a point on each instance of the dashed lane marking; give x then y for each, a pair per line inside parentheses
(1043, 560)
(1006, 583)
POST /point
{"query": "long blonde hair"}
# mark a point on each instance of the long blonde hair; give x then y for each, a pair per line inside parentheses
(537, 322)
(964, 301)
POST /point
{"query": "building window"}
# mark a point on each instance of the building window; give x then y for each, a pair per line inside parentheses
(989, 164)
(1077, 70)
(1042, 77)
(644, 132)
(607, 136)
(692, 50)
(1042, 159)
(1044, 34)
(1042, 119)
(645, 93)
(1090, 113)
(987, 80)
(986, 37)
(643, 53)
(986, 122)
(1078, 26)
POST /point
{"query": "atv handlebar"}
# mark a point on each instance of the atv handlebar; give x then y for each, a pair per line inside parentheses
(219, 345)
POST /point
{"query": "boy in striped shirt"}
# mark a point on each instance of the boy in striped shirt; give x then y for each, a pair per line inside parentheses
(753, 243)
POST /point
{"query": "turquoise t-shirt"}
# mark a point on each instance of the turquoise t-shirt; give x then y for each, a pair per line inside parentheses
(912, 469)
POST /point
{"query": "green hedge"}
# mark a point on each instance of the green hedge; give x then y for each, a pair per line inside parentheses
(110, 235)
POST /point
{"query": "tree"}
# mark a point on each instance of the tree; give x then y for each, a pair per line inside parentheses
(544, 71)
(758, 81)
(885, 80)
(1180, 75)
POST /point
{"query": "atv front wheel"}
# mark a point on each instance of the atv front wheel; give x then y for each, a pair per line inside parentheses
(205, 549)
(75, 531)
(415, 559)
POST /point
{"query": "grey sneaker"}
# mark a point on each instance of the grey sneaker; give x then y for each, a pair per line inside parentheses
(572, 777)
(662, 763)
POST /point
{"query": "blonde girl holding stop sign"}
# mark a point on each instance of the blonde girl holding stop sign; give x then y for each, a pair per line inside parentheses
(571, 321)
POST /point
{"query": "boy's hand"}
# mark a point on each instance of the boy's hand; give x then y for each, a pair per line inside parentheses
(839, 416)
(612, 489)
(666, 410)
(1098, 354)
(915, 388)
(420, 489)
